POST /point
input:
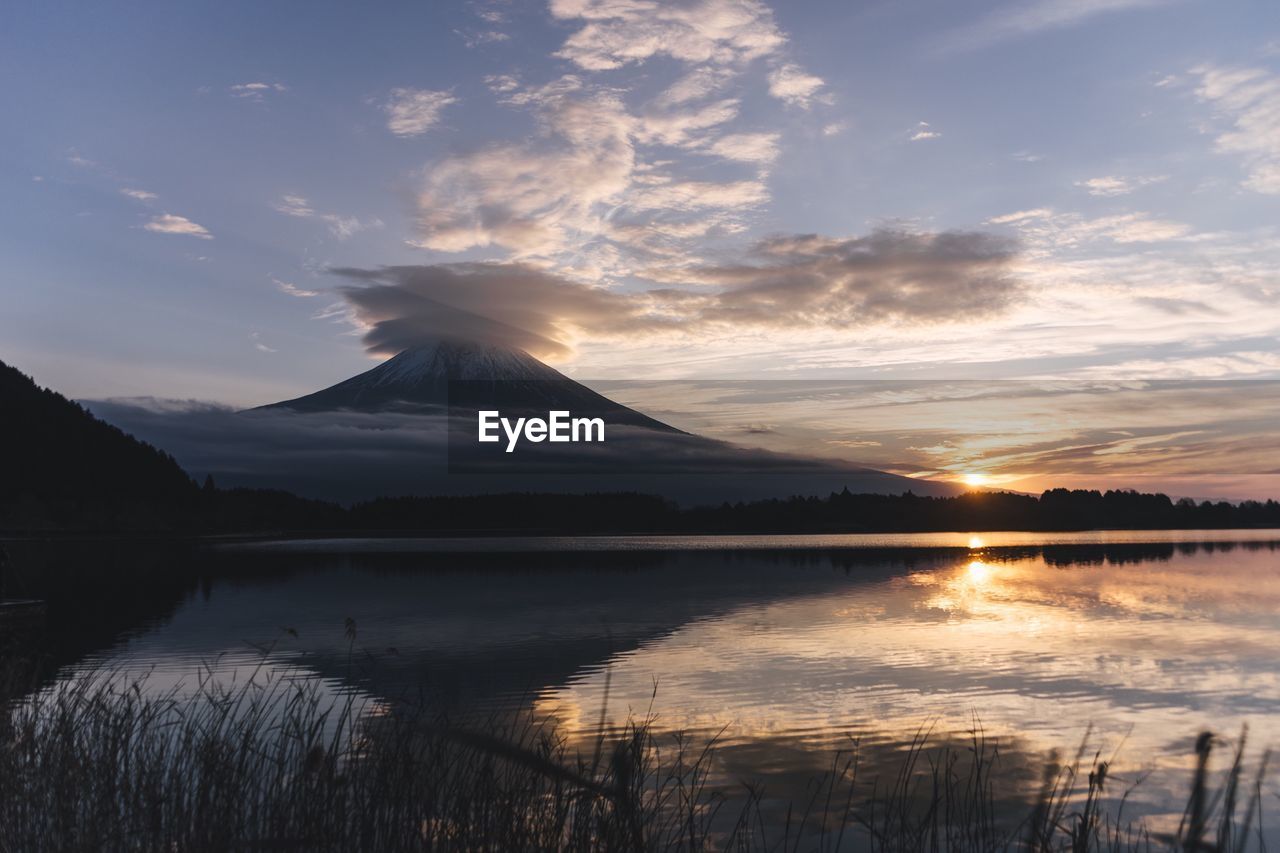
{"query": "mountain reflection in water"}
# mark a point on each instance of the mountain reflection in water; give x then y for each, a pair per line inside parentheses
(783, 653)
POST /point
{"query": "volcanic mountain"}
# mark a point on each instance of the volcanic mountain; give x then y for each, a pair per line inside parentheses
(433, 377)
(452, 376)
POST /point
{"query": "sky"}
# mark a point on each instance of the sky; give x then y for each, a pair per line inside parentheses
(197, 195)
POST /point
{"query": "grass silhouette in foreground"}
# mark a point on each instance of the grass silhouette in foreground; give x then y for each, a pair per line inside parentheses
(104, 763)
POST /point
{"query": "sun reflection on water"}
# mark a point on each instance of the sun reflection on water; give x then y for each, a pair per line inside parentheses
(1148, 652)
(979, 573)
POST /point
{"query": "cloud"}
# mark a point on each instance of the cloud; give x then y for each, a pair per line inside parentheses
(1066, 230)
(256, 337)
(721, 36)
(1226, 366)
(684, 128)
(699, 195)
(602, 186)
(1026, 19)
(256, 91)
(1114, 185)
(336, 312)
(1178, 307)
(1020, 216)
(812, 281)
(1250, 99)
(341, 227)
(795, 86)
(505, 304)
(339, 455)
(293, 290)
(140, 195)
(168, 223)
(747, 147)
(476, 38)
(580, 192)
(701, 82)
(295, 205)
(412, 112)
(615, 34)
(800, 282)
(536, 197)
(923, 132)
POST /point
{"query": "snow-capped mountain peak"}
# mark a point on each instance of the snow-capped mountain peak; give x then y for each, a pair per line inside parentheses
(458, 360)
(436, 375)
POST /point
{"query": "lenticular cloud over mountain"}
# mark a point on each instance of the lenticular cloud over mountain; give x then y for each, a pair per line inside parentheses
(505, 305)
(797, 283)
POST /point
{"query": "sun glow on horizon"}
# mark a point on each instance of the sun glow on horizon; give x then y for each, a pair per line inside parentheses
(977, 479)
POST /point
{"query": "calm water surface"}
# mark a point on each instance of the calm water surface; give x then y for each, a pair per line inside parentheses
(786, 648)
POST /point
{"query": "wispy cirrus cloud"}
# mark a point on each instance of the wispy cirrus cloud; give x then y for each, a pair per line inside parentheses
(492, 15)
(474, 38)
(1109, 186)
(582, 191)
(1019, 20)
(691, 196)
(258, 344)
(603, 186)
(792, 84)
(702, 82)
(1250, 99)
(747, 147)
(139, 195)
(256, 90)
(719, 32)
(538, 196)
(168, 223)
(412, 112)
(292, 289)
(342, 227)
(923, 132)
(1049, 227)
(586, 183)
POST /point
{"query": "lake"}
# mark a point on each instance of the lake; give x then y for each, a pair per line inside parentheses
(781, 649)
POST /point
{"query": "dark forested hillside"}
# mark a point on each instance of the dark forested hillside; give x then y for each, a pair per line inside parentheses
(61, 465)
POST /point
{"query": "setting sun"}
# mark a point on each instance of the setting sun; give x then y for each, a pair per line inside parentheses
(976, 479)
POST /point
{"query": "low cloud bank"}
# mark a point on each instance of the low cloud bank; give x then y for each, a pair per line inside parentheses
(349, 456)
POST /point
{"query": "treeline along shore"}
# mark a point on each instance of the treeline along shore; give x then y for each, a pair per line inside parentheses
(229, 511)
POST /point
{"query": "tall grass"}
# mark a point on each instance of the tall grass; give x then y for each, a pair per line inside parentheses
(276, 763)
